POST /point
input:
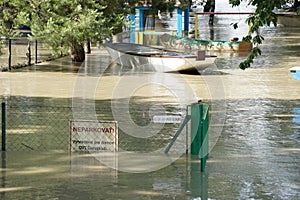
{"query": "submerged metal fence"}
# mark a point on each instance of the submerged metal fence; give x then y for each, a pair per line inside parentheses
(31, 127)
(38, 127)
(19, 52)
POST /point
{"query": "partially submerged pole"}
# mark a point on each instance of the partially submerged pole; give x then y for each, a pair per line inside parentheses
(199, 132)
(3, 123)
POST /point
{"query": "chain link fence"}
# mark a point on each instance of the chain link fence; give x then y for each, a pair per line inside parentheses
(41, 127)
(20, 52)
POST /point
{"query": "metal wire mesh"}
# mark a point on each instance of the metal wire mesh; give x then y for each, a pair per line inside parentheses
(31, 127)
(37, 127)
(20, 52)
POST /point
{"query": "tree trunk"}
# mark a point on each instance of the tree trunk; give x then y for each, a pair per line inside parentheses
(28, 54)
(88, 49)
(296, 3)
(210, 7)
(77, 53)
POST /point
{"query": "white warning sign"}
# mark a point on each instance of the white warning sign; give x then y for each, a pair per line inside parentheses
(93, 136)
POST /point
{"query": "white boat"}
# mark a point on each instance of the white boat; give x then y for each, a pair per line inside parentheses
(295, 71)
(156, 59)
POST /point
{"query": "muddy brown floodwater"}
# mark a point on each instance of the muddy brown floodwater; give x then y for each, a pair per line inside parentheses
(254, 135)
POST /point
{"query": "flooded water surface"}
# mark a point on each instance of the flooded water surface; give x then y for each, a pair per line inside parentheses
(254, 137)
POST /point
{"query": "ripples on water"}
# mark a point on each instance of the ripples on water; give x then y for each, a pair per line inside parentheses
(257, 155)
(258, 151)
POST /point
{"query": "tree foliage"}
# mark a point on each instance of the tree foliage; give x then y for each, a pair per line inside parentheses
(64, 24)
(264, 16)
(9, 12)
(68, 24)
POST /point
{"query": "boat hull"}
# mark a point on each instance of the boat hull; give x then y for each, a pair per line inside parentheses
(155, 60)
(295, 71)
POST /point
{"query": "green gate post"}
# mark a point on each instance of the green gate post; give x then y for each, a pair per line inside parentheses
(196, 126)
(199, 131)
(204, 137)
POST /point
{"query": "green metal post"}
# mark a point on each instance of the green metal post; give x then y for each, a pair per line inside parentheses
(199, 131)
(204, 138)
(196, 116)
(3, 147)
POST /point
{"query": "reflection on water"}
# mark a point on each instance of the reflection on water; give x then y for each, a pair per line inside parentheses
(296, 122)
(256, 156)
(296, 118)
(57, 176)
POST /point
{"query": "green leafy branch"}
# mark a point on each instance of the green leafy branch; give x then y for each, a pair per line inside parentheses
(263, 16)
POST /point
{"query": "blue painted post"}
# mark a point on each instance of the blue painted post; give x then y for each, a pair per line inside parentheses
(141, 19)
(132, 28)
(179, 22)
(186, 21)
